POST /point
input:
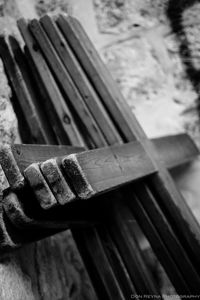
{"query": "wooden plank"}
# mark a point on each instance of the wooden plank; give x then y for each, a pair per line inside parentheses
(65, 81)
(104, 280)
(126, 242)
(115, 259)
(159, 247)
(25, 155)
(64, 127)
(80, 80)
(166, 233)
(166, 147)
(35, 99)
(184, 223)
(175, 150)
(96, 171)
(24, 95)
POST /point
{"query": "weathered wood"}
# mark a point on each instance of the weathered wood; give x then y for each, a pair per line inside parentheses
(184, 223)
(175, 275)
(41, 118)
(80, 80)
(107, 287)
(126, 242)
(98, 138)
(25, 96)
(23, 218)
(10, 168)
(39, 186)
(123, 135)
(68, 129)
(117, 263)
(65, 81)
(175, 150)
(25, 155)
(100, 170)
(55, 179)
(165, 230)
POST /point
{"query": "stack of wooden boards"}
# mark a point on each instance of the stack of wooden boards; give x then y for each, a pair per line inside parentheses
(63, 94)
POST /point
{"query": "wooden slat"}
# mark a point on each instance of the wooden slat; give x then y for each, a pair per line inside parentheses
(104, 280)
(67, 131)
(80, 80)
(65, 81)
(167, 235)
(35, 109)
(119, 268)
(25, 95)
(159, 247)
(125, 241)
(184, 223)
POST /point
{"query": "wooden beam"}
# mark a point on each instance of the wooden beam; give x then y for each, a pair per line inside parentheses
(96, 171)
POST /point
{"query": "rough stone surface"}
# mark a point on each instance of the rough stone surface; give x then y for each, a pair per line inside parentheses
(53, 7)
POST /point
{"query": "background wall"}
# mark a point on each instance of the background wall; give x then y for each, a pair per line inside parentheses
(152, 49)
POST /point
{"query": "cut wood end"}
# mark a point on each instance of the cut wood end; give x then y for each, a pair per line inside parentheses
(77, 177)
(10, 168)
(40, 187)
(56, 180)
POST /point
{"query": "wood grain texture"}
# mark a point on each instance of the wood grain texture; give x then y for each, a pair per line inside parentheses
(65, 81)
(85, 88)
(159, 247)
(64, 116)
(41, 121)
(100, 170)
(24, 95)
(25, 155)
